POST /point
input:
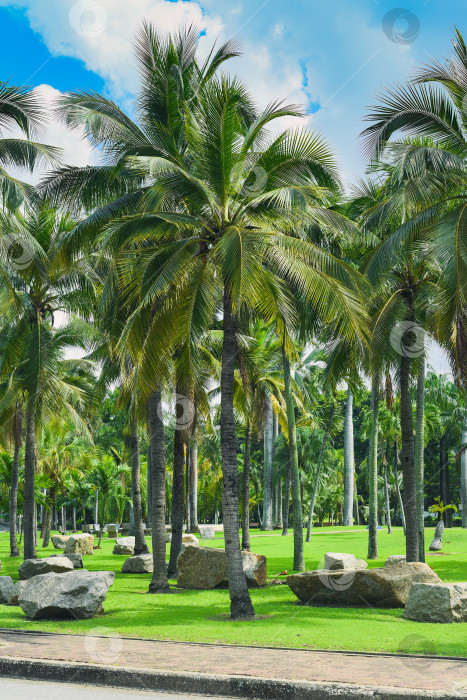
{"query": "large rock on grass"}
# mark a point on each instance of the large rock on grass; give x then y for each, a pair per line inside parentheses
(78, 594)
(125, 545)
(80, 544)
(188, 538)
(59, 541)
(206, 567)
(139, 564)
(338, 560)
(437, 602)
(386, 587)
(36, 567)
(6, 589)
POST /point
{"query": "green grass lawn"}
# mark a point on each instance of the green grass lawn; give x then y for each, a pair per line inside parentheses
(202, 616)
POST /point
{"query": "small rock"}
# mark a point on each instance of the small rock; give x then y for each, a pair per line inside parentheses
(338, 560)
(190, 539)
(16, 592)
(168, 537)
(59, 541)
(6, 589)
(36, 567)
(76, 559)
(139, 564)
(395, 559)
(207, 532)
(112, 532)
(125, 545)
(80, 544)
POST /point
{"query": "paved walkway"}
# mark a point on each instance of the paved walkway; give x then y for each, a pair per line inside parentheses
(374, 670)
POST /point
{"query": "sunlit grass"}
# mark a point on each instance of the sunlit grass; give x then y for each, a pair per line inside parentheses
(200, 616)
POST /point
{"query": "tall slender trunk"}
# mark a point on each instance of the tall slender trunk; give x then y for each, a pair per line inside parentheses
(140, 542)
(419, 448)
(47, 526)
(285, 507)
(159, 582)
(357, 512)
(299, 556)
(178, 501)
(194, 484)
(373, 473)
(267, 481)
(386, 489)
(18, 420)
(96, 508)
(29, 480)
(408, 463)
(317, 475)
(149, 483)
(246, 490)
(240, 601)
(396, 478)
(188, 487)
(348, 460)
(74, 518)
(463, 460)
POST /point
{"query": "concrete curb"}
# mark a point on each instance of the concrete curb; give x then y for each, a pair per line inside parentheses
(249, 687)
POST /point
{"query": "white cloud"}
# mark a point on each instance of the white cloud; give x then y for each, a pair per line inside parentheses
(75, 149)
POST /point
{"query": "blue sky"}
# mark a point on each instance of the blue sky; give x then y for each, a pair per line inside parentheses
(332, 56)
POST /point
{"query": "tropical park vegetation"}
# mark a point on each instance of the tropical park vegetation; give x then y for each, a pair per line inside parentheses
(253, 339)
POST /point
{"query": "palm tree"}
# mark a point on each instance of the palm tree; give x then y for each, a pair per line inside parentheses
(33, 351)
(104, 477)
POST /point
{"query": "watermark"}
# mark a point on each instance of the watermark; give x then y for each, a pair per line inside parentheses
(421, 647)
(103, 645)
(88, 18)
(336, 578)
(408, 339)
(401, 26)
(18, 251)
(247, 181)
(184, 412)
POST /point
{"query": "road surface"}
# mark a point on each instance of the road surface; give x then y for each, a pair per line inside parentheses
(42, 690)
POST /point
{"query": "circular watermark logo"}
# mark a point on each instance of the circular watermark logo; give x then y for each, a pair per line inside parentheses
(18, 251)
(247, 181)
(184, 412)
(408, 339)
(417, 644)
(103, 645)
(401, 26)
(336, 578)
(88, 18)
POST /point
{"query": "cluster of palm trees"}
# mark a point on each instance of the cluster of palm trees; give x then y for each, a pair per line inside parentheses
(213, 253)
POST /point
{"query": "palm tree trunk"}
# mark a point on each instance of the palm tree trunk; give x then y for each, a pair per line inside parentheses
(386, 489)
(373, 474)
(240, 601)
(29, 480)
(194, 484)
(246, 490)
(14, 551)
(74, 518)
(396, 478)
(299, 556)
(101, 520)
(47, 526)
(268, 446)
(159, 582)
(140, 542)
(188, 487)
(178, 502)
(311, 510)
(463, 460)
(149, 485)
(357, 513)
(408, 463)
(348, 460)
(285, 507)
(419, 448)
